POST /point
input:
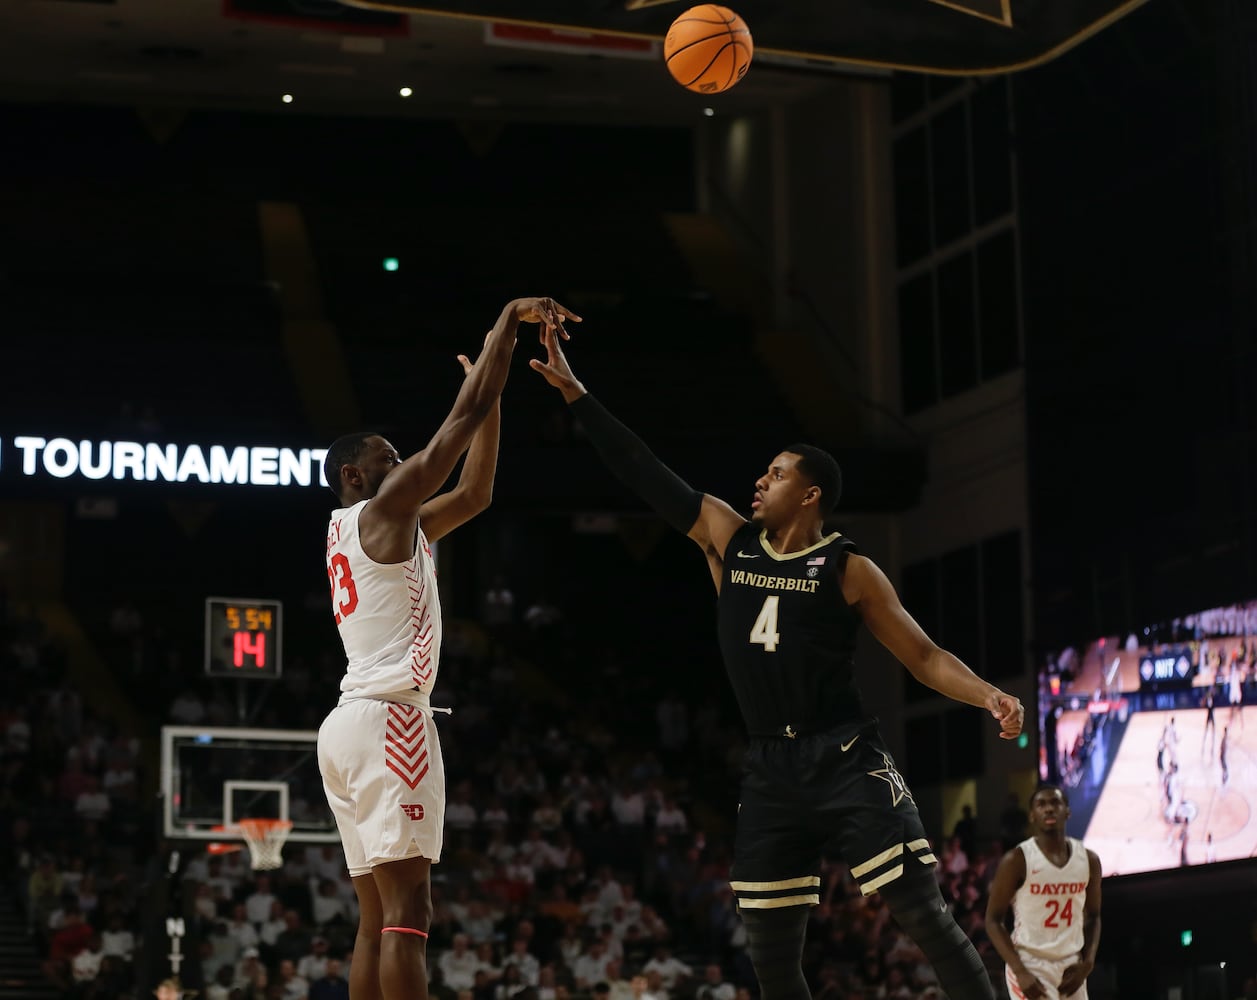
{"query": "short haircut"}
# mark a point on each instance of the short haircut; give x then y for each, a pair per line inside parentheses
(824, 472)
(345, 450)
(1047, 786)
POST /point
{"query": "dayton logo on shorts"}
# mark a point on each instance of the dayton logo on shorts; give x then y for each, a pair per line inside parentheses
(413, 810)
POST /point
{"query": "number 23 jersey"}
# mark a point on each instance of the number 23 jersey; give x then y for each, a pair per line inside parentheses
(1048, 908)
(388, 614)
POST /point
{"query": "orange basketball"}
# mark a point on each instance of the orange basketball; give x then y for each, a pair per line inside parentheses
(708, 49)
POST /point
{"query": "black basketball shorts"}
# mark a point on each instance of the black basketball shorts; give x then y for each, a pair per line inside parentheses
(836, 793)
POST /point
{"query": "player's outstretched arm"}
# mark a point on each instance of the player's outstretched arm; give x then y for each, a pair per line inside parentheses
(708, 521)
(1009, 876)
(474, 491)
(1076, 974)
(865, 586)
(421, 475)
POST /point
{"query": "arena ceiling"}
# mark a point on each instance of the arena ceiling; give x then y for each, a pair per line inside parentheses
(578, 59)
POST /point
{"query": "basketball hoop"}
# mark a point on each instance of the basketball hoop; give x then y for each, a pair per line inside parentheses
(265, 838)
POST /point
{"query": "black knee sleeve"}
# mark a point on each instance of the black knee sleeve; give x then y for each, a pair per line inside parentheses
(918, 908)
(774, 939)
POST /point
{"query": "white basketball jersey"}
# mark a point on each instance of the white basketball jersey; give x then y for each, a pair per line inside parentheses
(1048, 908)
(389, 614)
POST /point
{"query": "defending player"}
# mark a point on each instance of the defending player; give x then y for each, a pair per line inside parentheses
(378, 751)
(791, 601)
(1052, 883)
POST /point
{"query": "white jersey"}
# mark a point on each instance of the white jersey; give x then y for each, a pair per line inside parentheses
(388, 614)
(1048, 909)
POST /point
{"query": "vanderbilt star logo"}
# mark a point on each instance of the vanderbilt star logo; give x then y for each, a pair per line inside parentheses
(898, 788)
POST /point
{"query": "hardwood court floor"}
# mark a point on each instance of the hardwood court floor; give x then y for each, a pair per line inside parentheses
(1128, 829)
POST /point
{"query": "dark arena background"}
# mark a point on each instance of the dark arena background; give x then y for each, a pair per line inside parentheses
(998, 256)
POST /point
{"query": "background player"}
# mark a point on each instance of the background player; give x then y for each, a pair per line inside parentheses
(1052, 883)
(378, 753)
(1211, 729)
(791, 600)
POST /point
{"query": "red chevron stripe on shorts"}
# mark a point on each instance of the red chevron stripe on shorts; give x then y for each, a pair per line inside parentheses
(405, 744)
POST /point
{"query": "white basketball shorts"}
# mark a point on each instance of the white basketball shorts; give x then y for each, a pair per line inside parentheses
(385, 782)
(1046, 972)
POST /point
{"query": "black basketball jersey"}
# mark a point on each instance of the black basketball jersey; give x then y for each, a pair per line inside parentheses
(787, 634)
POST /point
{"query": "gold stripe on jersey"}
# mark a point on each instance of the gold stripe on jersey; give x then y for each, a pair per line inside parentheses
(781, 556)
(777, 902)
(871, 886)
(923, 851)
(785, 883)
(887, 865)
(877, 861)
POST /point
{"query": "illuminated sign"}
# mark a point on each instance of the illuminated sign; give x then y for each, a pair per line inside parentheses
(1166, 668)
(242, 638)
(62, 458)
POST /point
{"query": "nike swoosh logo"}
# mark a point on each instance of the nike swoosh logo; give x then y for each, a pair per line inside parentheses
(849, 744)
(747, 555)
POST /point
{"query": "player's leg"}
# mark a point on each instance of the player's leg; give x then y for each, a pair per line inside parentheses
(403, 839)
(338, 766)
(364, 972)
(775, 874)
(917, 906)
(406, 914)
(388, 796)
(774, 942)
(880, 834)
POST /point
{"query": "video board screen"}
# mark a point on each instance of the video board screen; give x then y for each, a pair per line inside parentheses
(1153, 734)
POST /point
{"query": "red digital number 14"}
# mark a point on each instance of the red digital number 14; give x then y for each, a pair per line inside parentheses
(249, 644)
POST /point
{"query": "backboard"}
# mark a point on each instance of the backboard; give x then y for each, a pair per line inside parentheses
(970, 37)
(215, 776)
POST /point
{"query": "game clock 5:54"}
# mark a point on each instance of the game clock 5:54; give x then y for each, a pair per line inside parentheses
(243, 638)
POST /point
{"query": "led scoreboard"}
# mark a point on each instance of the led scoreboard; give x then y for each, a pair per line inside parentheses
(243, 638)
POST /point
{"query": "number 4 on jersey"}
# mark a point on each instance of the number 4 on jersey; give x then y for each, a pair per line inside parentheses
(764, 631)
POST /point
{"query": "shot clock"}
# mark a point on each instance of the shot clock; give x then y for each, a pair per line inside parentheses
(243, 638)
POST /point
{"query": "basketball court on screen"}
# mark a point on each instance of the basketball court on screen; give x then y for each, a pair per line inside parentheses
(1128, 828)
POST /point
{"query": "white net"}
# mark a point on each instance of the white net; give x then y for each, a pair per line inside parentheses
(265, 838)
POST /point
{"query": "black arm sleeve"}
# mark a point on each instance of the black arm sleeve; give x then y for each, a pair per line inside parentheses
(635, 465)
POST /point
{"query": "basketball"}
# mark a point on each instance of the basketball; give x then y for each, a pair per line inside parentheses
(708, 49)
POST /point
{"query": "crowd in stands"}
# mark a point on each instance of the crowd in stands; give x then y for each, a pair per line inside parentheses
(584, 857)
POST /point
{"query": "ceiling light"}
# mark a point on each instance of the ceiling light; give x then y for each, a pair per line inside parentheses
(287, 98)
(709, 112)
(405, 91)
